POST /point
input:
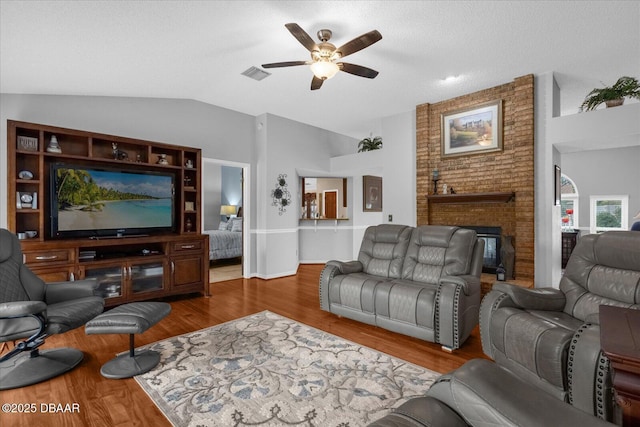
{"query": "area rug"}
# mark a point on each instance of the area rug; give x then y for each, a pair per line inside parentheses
(267, 370)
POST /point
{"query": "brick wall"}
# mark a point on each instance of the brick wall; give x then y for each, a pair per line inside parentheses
(508, 170)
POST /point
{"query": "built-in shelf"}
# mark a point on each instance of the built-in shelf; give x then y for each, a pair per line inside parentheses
(496, 197)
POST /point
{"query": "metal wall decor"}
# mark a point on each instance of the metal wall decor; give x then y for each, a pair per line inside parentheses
(281, 196)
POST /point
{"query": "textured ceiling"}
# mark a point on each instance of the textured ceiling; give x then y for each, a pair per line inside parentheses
(197, 50)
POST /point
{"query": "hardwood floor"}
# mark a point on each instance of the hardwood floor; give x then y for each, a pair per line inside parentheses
(103, 402)
(221, 271)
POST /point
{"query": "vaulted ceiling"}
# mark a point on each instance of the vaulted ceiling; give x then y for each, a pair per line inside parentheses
(198, 50)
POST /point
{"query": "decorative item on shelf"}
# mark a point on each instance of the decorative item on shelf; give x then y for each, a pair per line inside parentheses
(25, 174)
(188, 225)
(117, 153)
(227, 211)
(187, 183)
(372, 193)
(25, 200)
(613, 96)
(188, 164)
(53, 146)
(566, 220)
(162, 159)
(189, 206)
(452, 191)
(501, 273)
(444, 188)
(27, 143)
(281, 196)
(508, 256)
(138, 158)
(370, 144)
(436, 178)
(31, 234)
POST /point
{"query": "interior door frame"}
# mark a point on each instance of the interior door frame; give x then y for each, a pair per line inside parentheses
(246, 207)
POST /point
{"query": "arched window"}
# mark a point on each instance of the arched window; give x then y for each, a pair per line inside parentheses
(569, 202)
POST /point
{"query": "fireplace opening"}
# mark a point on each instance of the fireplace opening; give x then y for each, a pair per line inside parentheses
(492, 244)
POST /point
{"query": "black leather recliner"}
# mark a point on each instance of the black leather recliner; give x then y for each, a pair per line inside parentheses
(31, 309)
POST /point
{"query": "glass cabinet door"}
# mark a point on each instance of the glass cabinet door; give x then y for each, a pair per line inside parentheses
(147, 277)
(109, 280)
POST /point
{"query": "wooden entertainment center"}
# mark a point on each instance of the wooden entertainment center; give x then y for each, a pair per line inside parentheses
(125, 267)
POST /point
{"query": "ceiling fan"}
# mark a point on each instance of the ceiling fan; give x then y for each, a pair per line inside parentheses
(324, 55)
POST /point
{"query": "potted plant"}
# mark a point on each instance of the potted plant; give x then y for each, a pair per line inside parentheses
(625, 87)
(370, 144)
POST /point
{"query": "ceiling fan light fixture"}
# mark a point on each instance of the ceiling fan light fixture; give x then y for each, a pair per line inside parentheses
(324, 69)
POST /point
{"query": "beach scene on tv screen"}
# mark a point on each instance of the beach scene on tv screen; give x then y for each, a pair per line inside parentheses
(98, 200)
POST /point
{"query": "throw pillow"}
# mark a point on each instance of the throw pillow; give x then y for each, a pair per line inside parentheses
(229, 224)
(237, 225)
(222, 226)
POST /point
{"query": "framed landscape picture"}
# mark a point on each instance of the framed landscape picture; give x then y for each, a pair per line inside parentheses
(472, 130)
(372, 193)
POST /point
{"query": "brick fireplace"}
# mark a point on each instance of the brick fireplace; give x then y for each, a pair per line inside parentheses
(481, 181)
(492, 237)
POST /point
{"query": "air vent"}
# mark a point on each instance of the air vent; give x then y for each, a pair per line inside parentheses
(255, 73)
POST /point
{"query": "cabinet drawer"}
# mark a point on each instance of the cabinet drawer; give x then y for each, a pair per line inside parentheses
(191, 245)
(55, 274)
(47, 256)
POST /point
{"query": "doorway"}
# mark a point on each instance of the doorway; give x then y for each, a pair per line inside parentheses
(225, 218)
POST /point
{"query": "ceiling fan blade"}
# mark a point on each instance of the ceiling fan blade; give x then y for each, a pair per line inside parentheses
(359, 43)
(357, 70)
(284, 64)
(302, 36)
(316, 83)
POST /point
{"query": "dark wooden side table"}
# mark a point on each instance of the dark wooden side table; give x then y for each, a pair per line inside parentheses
(569, 241)
(620, 341)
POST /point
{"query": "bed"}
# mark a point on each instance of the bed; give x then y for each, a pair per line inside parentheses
(226, 242)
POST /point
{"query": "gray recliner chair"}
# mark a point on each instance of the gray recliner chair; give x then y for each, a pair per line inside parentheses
(482, 394)
(31, 309)
(551, 337)
(549, 368)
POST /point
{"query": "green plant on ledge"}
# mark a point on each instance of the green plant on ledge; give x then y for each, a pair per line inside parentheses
(370, 144)
(625, 87)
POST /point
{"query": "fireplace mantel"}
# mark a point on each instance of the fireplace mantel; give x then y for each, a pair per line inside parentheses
(496, 197)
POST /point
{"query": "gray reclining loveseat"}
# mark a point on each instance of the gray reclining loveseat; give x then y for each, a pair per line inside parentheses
(418, 281)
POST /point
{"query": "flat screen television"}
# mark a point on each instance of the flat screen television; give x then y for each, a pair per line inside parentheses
(105, 202)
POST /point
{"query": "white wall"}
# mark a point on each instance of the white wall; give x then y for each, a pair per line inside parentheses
(399, 185)
(395, 162)
(570, 139)
(211, 194)
(284, 147)
(615, 171)
(548, 232)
